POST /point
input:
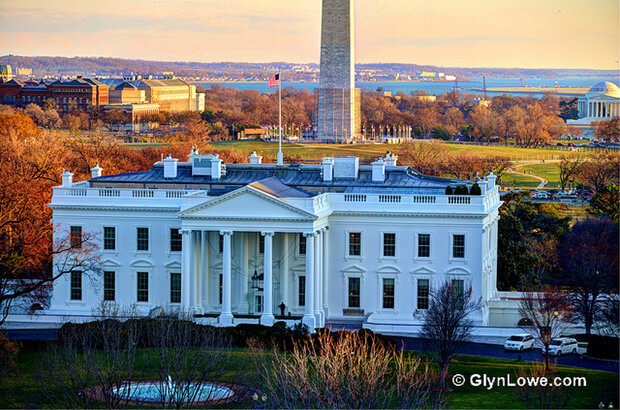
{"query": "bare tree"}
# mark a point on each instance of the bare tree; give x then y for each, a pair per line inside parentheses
(569, 169)
(535, 395)
(589, 261)
(94, 362)
(20, 282)
(547, 315)
(608, 317)
(447, 324)
(189, 356)
(344, 370)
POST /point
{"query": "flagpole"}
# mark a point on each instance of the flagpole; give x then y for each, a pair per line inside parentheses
(280, 155)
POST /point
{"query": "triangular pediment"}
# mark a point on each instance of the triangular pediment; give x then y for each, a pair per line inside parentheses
(247, 203)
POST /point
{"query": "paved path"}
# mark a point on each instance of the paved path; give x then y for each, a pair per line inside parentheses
(487, 350)
(542, 183)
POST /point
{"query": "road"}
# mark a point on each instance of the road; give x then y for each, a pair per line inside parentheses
(487, 350)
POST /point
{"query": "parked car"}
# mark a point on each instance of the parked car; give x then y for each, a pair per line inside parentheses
(540, 195)
(562, 345)
(519, 342)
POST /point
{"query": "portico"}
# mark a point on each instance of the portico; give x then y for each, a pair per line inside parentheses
(223, 250)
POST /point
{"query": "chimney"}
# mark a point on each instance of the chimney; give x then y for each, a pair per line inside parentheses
(390, 159)
(79, 77)
(328, 169)
(96, 171)
(67, 179)
(378, 170)
(255, 159)
(170, 167)
(216, 167)
(491, 181)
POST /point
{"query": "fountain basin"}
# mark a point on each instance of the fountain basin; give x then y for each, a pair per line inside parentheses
(155, 392)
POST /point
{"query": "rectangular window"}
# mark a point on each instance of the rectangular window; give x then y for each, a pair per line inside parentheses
(458, 246)
(458, 289)
(258, 303)
(389, 244)
(143, 286)
(76, 237)
(220, 246)
(302, 291)
(109, 282)
(354, 292)
(355, 244)
(76, 285)
(424, 245)
(221, 288)
(176, 240)
(109, 238)
(175, 287)
(388, 293)
(143, 239)
(302, 245)
(261, 243)
(423, 290)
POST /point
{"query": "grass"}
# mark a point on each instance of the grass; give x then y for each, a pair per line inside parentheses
(518, 180)
(24, 390)
(317, 151)
(549, 171)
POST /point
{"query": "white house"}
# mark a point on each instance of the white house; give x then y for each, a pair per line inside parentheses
(328, 243)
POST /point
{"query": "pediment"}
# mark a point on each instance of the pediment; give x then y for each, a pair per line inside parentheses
(458, 271)
(247, 203)
(110, 263)
(423, 270)
(142, 263)
(354, 269)
(173, 265)
(388, 269)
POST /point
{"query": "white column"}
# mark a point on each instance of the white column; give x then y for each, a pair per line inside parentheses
(186, 270)
(266, 317)
(244, 306)
(318, 276)
(309, 319)
(226, 317)
(197, 273)
(325, 273)
(284, 270)
(205, 274)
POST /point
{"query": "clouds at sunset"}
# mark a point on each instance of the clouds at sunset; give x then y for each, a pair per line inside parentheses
(499, 33)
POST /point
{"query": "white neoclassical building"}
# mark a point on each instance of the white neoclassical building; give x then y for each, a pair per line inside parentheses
(329, 243)
(601, 102)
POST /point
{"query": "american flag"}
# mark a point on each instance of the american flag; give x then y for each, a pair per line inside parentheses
(274, 81)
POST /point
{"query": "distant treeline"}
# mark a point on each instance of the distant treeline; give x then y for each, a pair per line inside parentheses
(45, 65)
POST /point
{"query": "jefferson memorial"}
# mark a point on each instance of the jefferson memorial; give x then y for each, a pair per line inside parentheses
(601, 102)
(325, 244)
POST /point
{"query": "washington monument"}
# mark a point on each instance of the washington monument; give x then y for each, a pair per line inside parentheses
(339, 117)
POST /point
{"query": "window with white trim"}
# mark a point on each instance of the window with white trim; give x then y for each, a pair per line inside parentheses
(388, 293)
(389, 244)
(424, 245)
(355, 243)
(458, 246)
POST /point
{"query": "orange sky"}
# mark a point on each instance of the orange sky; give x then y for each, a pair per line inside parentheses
(468, 33)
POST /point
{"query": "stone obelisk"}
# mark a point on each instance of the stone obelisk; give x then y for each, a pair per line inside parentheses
(339, 118)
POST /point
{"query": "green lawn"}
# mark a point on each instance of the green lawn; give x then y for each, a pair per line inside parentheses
(549, 171)
(518, 181)
(317, 151)
(23, 390)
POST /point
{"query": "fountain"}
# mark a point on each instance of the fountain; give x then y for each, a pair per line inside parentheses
(151, 392)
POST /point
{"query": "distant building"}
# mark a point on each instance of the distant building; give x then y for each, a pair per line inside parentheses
(481, 101)
(81, 93)
(426, 98)
(135, 114)
(249, 134)
(127, 93)
(601, 102)
(170, 93)
(428, 74)
(24, 71)
(6, 73)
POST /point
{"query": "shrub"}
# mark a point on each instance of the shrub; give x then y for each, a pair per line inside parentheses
(475, 190)
(8, 353)
(449, 190)
(461, 190)
(345, 370)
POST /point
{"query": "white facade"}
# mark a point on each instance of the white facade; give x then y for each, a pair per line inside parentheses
(336, 242)
(601, 102)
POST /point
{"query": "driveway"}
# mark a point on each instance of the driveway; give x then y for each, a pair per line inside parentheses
(488, 350)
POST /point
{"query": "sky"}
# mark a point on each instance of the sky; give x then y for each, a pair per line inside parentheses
(463, 33)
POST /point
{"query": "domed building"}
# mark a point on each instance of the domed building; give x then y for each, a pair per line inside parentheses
(601, 102)
(6, 73)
